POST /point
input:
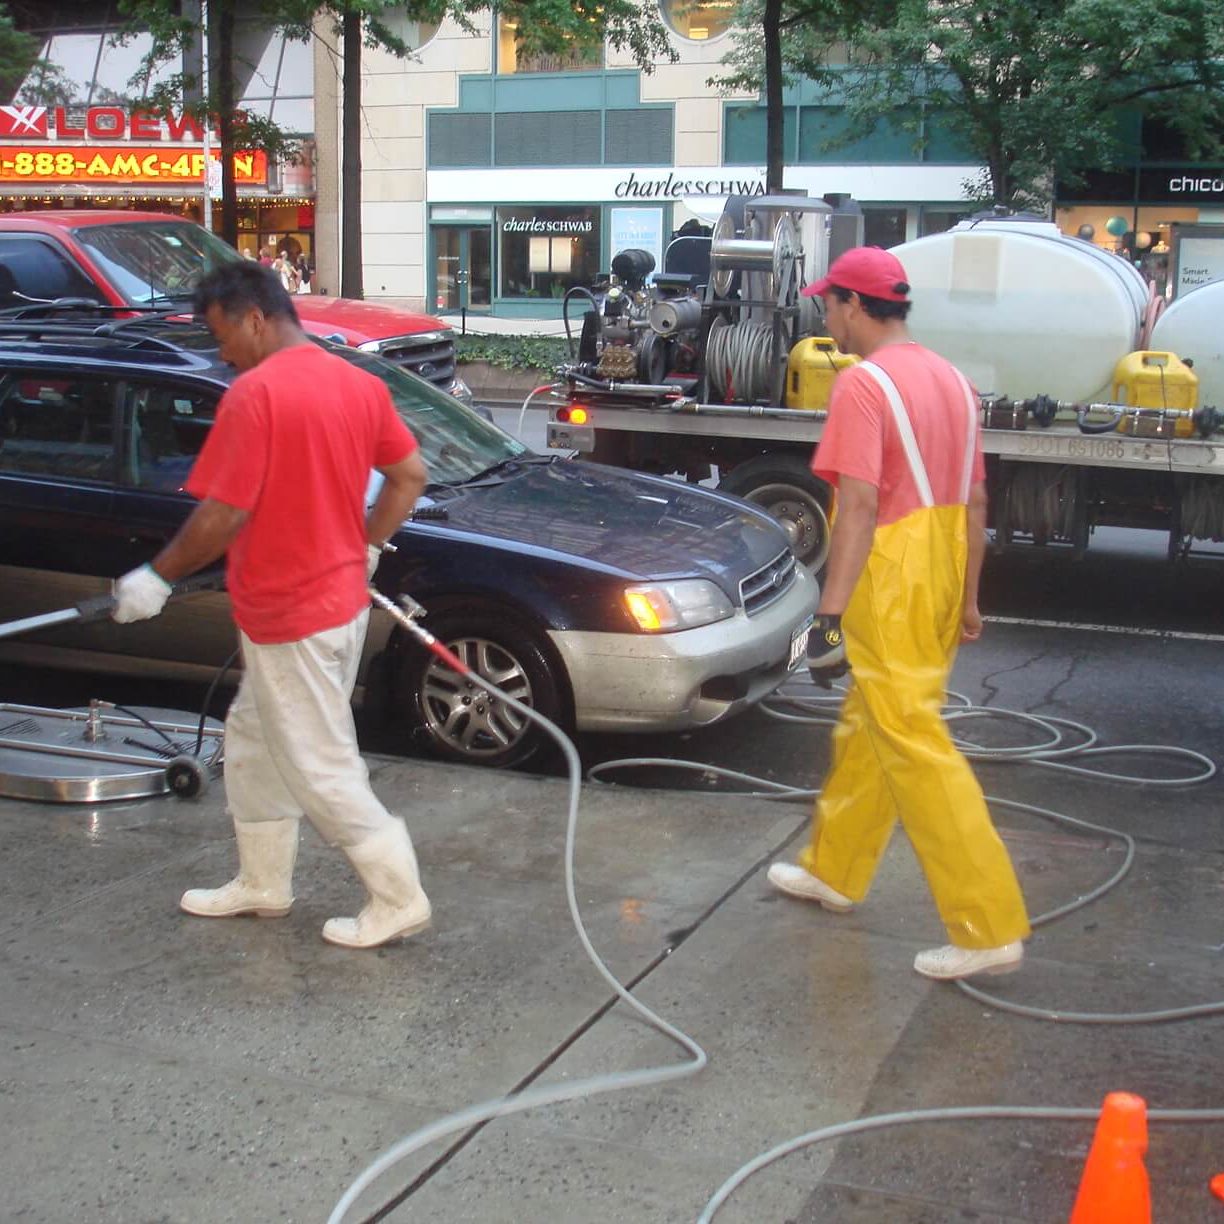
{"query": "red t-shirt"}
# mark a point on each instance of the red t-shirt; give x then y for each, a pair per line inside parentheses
(860, 439)
(293, 444)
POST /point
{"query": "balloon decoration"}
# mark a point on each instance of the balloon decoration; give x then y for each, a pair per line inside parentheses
(1086, 232)
(1143, 240)
(1116, 226)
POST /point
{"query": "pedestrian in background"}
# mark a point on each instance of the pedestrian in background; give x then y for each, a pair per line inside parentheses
(303, 272)
(267, 256)
(902, 447)
(281, 481)
(284, 267)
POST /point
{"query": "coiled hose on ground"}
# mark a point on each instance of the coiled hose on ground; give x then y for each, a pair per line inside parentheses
(1065, 743)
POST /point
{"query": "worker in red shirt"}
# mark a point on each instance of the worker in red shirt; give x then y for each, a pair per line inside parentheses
(902, 447)
(281, 482)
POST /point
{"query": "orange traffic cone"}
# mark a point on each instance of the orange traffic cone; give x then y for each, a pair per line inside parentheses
(1114, 1188)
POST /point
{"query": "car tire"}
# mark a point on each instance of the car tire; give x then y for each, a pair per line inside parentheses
(784, 487)
(452, 718)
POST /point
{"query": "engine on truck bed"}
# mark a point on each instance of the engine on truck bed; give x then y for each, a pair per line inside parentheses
(719, 321)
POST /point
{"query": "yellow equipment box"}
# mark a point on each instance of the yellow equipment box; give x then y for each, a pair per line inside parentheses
(1156, 380)
(810, 370)
(1147, 379)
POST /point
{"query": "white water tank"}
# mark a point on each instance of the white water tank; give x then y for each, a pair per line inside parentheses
(1023, 309)
(1192, 328)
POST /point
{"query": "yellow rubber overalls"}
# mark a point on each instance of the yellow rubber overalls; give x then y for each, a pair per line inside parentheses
(892, 753)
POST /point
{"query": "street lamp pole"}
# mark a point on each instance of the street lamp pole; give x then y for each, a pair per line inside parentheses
(207, 120)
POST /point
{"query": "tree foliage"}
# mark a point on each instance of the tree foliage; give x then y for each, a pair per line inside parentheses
(1032, 88)
(25, 77)
(544, 26)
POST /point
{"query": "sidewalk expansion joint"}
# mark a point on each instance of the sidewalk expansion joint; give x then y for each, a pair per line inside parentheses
(675, 940)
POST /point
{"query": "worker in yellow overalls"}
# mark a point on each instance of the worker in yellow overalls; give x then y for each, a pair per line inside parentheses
(902, 447)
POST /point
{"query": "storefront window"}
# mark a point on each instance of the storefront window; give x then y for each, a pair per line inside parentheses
(511, 58)
(698, 19)
(544, 251)
(939, 220)
(884, 227)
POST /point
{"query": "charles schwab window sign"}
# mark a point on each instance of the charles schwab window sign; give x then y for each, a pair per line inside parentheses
(544, 250)
(536, 224)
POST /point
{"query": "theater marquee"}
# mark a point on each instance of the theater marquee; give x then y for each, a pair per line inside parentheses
(119, 165)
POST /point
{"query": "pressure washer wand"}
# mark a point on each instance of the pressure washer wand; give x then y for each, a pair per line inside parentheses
(409, 617)
(99, 607)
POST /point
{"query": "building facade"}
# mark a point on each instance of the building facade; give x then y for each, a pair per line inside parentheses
(100, 148)
(493, 181)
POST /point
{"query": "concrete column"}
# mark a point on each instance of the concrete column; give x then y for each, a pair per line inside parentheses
(327, 154)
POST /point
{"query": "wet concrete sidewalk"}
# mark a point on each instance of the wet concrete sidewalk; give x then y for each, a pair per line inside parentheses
(156, 1068)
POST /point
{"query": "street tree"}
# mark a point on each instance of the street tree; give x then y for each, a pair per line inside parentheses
(1030, 88)
(780, 41)
(182, 36)
(24, 75)
(544, 26)
(555, 27)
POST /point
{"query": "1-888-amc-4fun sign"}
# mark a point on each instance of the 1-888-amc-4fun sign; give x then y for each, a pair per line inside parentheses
(103, 160)
(125, 164)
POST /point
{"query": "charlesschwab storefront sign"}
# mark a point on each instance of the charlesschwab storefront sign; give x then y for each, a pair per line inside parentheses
(674, 186)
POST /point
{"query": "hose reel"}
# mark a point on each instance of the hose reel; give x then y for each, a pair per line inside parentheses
(730, 252)
(741, 361)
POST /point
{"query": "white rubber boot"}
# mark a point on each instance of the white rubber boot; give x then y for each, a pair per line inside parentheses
(267, 851)
(397, 906)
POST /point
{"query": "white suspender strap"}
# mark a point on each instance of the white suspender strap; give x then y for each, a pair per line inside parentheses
(905, 430)
(971, 404)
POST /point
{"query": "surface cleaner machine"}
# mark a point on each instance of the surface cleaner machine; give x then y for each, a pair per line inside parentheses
(105, 751)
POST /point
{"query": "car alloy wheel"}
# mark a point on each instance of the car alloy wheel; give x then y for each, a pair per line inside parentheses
(457, 717)
(463, 714)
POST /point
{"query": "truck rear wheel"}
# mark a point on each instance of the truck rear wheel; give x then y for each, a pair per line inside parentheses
(783, 486)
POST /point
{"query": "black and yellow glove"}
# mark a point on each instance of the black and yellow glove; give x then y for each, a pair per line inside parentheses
(826, 650)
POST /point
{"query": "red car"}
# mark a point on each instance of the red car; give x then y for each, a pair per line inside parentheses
(153, 261)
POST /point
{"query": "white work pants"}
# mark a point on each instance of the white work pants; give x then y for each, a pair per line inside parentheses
(290, 741)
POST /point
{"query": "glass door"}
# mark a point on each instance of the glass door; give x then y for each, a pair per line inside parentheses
(462, 267)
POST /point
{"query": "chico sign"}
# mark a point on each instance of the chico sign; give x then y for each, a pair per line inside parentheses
(99, 123)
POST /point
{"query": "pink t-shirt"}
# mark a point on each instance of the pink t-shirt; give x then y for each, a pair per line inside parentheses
(861, 440)
(293, 444)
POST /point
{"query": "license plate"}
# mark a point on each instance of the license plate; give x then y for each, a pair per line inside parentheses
(580, 438)
(798, 646)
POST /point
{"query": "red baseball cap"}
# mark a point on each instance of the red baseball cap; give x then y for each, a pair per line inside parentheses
(871, 271)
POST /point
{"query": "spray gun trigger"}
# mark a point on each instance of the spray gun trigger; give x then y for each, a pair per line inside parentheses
(415, 610)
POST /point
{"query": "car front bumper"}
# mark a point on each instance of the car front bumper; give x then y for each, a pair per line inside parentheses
(671, 681)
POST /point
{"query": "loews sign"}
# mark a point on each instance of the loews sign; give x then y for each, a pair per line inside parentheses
(106, 162)
(97, 123)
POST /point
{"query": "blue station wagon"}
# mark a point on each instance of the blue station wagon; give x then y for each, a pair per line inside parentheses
(609, 600)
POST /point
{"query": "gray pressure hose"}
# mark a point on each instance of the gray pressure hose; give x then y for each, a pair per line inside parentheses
(798, 702)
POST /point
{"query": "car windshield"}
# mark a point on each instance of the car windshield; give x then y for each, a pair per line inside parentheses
(154, 263)
(457, 444)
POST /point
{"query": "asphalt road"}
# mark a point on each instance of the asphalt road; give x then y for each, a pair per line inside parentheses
(1124, 583)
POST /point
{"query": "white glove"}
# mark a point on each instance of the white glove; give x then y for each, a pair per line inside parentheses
(373, 557)
(140, 594)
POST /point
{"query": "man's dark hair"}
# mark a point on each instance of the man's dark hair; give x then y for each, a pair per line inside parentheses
(880, 309)
(240, 286)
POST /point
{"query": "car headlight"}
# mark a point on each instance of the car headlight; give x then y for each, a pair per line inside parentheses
(461, 391)
(659, 606)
